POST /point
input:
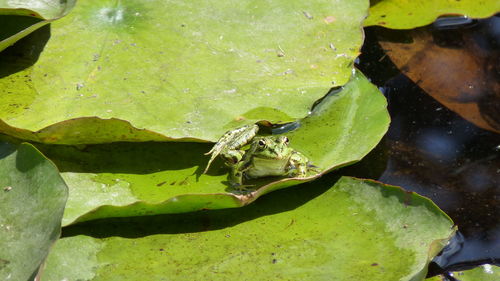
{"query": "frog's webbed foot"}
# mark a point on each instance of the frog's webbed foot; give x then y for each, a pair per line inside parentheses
(230, 142)
(300, 166)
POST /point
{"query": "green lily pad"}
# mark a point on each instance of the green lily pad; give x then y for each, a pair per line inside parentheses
(32, 196)
(136, 179)
(485, 272)
(46, 9)
(21, 17)
(190, 70)
(398, 14)
(351, 230)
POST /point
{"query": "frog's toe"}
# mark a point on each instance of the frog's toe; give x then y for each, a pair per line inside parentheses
(241, 187)
(313, 168)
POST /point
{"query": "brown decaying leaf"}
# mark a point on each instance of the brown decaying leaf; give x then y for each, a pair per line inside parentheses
(462, 76)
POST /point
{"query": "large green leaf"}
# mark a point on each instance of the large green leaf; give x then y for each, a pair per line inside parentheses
(131, 179)
(407, 14)
(355, 230)
(32, 196)
(19, 18)
(155, 70)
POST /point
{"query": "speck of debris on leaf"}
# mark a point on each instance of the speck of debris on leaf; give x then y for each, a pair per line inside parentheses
(307, 15)
(7, 188)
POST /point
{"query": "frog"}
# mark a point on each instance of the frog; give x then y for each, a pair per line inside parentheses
(266, 156)
(269, 156)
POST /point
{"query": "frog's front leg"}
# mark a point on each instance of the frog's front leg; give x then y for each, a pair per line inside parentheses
(228, 145)
(298, 165)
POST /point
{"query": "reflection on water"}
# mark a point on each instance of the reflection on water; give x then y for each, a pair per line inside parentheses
(437, 153)
(438, 144)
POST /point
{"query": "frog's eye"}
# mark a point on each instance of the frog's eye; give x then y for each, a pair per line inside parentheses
(262, 143)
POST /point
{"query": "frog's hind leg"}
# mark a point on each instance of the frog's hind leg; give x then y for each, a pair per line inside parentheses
(232, 140)
(232, 156)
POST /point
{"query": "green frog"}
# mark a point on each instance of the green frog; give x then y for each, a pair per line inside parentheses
(267, 156)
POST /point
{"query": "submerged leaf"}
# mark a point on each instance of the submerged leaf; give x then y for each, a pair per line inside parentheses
(469, 85)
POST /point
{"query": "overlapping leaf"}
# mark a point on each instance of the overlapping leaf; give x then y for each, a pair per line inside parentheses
(404, 14)
(353, 230)
(155, 70)
(32, 196)
(130, 179)
(18, 18)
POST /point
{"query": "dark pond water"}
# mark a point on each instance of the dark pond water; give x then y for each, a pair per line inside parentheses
(435, 151)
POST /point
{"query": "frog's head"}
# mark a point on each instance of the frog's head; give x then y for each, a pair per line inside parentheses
(272, 147)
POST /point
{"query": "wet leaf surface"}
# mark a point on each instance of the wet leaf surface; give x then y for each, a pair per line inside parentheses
(32, 196)
(348, 229)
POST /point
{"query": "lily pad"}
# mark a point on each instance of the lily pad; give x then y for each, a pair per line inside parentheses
(187, 70)
(351, 230)
(485, 272)
(136, 179)
(33, 195)
(398, 14)
(19, 18)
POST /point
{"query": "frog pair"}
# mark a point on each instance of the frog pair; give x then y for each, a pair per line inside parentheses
(267, 156)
